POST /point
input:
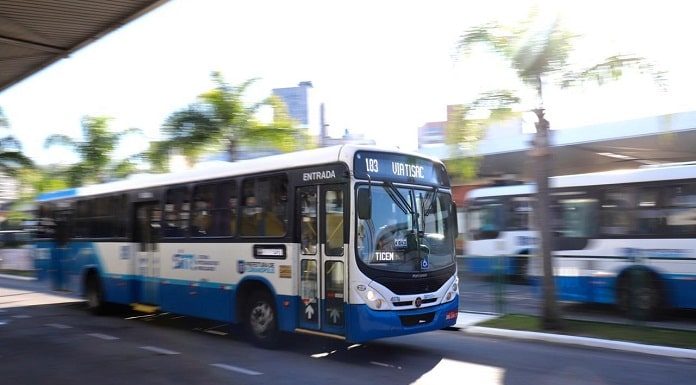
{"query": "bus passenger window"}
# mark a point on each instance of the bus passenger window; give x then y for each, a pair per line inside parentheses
(681, 210)
(176, 213)
(616, 218)
(202, 206)
(333, 201)
(264, 211)
(308, 227)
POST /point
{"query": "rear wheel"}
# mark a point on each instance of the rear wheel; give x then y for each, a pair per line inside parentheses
(262, 320)
(95, 295)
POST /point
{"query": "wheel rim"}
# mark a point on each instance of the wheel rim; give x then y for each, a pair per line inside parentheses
(644, 298)
(261, 318)
(92, 297)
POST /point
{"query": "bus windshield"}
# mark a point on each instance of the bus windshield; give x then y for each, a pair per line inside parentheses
(409, 230)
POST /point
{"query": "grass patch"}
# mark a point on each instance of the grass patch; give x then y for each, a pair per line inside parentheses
(628, 333)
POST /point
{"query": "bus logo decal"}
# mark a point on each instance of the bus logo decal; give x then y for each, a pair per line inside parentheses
(256, 267)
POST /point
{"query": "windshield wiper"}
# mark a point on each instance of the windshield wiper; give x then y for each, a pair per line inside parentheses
(430, 199)
(398, 199)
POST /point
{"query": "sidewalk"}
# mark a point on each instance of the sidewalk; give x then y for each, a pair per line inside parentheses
(467, 322)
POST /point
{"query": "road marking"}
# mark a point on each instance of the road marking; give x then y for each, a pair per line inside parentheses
(237, 369)
(59, 326)
(216, 332)
(103, 336)
(21, 316)
(385, 365)
(157, 350)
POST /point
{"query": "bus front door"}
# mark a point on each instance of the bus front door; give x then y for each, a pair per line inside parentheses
(322, 258)
(147, 263)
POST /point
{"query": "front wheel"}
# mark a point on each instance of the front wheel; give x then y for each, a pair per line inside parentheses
(262, 320)
(639, 296)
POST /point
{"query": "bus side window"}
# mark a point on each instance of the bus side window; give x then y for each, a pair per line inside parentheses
(616, 217)
(201, 224)
(650, 217)
(333, 201)
(681, 209)
(224, 211)
(265, 206)
(176, 213)
(308, 225)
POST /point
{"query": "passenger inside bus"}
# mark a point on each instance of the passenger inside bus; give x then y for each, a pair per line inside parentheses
(260, 220)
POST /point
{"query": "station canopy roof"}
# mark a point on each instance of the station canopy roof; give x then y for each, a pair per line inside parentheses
(35, 34)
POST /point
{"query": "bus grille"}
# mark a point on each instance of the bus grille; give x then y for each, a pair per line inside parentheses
(413, 285)
(418, 319)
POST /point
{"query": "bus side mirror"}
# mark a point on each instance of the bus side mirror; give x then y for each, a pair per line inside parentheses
(455, 219)
(364, 204)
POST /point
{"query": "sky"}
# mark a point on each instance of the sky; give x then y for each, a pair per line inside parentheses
(382, 68)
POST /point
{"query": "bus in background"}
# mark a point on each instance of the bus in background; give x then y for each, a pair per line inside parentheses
(625, 237)
(350, 242)
(499, 230)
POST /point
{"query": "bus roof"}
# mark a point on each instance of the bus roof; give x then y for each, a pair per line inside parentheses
(213, 170)
(614, 177)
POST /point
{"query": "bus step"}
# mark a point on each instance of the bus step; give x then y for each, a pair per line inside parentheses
(144, 308)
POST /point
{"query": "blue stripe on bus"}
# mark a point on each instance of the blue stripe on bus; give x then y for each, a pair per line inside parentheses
(680, 289)
(67, 193)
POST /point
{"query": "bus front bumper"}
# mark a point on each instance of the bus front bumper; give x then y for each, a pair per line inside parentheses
(366, 324)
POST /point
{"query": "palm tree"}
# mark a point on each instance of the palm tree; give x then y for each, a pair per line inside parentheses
(538, 51)
(220, 119)
(95, 152)
(464, 129)
(11, 157)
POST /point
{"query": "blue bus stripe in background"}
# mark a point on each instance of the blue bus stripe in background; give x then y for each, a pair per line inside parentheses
(57, 194)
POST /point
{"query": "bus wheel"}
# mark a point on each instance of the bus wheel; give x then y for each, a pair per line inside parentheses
(640, 299)
(94, 294)
(262, 320)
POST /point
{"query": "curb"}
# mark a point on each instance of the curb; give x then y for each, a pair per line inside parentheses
(655, 350)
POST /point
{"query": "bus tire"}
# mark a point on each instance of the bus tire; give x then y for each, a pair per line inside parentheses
(94, 295)
(521, 269)
(262, 320)
(640, 300)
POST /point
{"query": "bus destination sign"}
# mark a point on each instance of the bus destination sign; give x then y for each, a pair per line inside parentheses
(398, 168)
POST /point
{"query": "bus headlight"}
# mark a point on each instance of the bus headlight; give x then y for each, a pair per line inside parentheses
(452, 291)
(373, 299)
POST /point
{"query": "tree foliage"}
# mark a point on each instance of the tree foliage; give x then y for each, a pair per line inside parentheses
(465, 128)
(95, 151)
(11, 157)
(221, 120)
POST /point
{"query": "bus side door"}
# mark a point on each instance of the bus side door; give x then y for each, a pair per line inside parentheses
(147, 261)
(322, 222)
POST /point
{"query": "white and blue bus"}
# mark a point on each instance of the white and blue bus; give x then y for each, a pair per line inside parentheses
(351, 242)
(499, 235)
(624, 237)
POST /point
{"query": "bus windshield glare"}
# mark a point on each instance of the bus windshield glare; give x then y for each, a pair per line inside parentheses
(408, 231)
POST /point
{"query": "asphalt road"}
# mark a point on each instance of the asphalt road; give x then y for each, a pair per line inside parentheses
(61, 343)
